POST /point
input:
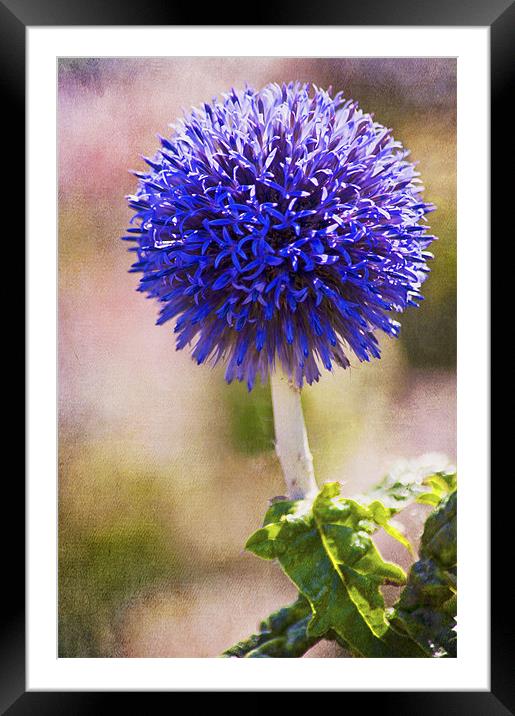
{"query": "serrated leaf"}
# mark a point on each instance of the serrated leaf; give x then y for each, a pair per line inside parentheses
(354, 555)
(325, 548)
(307, 564)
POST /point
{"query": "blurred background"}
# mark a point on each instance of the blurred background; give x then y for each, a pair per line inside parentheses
(164, 469)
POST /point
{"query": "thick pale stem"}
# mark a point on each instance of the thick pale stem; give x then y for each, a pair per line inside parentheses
(291, 439)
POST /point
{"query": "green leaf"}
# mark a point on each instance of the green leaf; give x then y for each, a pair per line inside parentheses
(324, 545)
(282, 635)
(354, 555)
(426, 609)
(325, 548)
(382, 516)
(280, 508)
(429, 498)
(263, 542)
(439, 538)
(425, 480)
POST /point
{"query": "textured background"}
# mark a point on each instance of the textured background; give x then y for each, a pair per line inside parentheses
(164, 469)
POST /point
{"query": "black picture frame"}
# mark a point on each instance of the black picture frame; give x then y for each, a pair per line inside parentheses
(15, 17)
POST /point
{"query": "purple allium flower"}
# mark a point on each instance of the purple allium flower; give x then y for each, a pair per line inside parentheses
(280, 225)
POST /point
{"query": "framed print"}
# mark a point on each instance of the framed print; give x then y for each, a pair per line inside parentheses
(270, 472)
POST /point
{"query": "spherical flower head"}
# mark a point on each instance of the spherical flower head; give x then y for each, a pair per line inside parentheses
(280, 226)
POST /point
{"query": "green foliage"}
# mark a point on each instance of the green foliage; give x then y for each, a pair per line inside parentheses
(426, 609)
(325, 546)
(283, 634)
(411, 482)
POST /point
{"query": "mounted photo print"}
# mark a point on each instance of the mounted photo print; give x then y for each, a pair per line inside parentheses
(258, 330)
